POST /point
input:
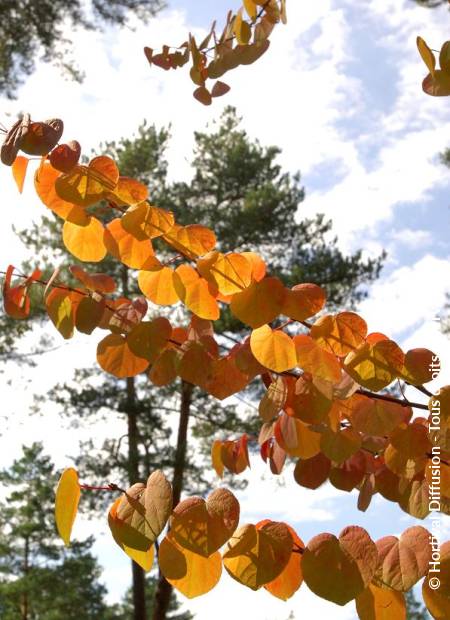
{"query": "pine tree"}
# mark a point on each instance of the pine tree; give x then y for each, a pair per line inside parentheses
(31, 30)
(39, 578)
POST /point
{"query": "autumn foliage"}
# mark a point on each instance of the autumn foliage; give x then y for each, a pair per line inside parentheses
(325, 375)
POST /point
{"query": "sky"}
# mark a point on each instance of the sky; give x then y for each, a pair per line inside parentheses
(340, 92)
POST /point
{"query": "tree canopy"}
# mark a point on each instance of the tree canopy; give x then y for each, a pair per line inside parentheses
(32, 30)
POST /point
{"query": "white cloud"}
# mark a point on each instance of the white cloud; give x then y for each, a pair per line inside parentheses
(412, 238)
(408, 297)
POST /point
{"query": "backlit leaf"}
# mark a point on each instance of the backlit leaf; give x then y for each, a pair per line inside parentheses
(375, 365)
(132, 252)
(61, 308)
(291, 577)
(260, 303)
(149, 338)
(195, 292)
(296, 438)
(273, 349)
(311, 357)
(85, 241)
(157, 284)
(44, 183)
(117, 526)
(303, 301)
(188, 572)
(339, 334)
(86, 185)
(115, 357)
(204, 526)
(255, 557)
(64, 157)
(19, 170)
(66, 503)
(147, 222)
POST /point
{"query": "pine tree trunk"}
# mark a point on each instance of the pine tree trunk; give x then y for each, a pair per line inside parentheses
(164, 589)
(138, 575)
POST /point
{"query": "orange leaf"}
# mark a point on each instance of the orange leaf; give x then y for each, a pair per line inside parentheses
(195, 292)
(255, 557)
(291, 578)
(311, 473)
(338, 569)
(15, 299)
(157, 284)
(375, 365)
(128, 192)
(234, 455)
(421, 366)
(204, 526)
(99, 282)
(406, 454)
(146, 222)
(296, 438)
(231, 273)
(303, 301)
(260, 303)
(192, 241)
(341, 333)
(86, 185)
(85, 241)
(380, 604)
(44, 183)
(149, 338)
(225, 378)
(19, 170)
(115, 357)
(41, 137)
(312, 358)
(403, 561)
(61, 308)
(125, 247)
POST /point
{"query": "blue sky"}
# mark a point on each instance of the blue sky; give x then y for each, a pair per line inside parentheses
(339, 92)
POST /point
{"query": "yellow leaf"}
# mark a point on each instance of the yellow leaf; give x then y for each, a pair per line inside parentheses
(196, 293)
(427, 55)
(66, 503)
(242, 29)
(145, 557)
(273, 349)
(189, 573)
(251, 8)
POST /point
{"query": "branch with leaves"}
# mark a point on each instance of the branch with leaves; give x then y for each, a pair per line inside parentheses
(242, 42)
